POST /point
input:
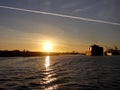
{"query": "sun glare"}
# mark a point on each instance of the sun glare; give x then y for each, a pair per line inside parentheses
(47, 46)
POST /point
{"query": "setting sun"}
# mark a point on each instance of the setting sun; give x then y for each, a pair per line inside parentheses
(47, 46)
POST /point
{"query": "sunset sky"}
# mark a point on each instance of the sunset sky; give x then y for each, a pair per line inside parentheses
(69, 25)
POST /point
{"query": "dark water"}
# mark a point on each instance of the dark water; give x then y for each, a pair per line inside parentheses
(60, 73)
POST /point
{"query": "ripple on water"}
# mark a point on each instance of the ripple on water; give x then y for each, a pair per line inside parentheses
(62, 73)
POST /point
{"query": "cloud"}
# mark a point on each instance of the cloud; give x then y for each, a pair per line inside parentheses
(61, 15)
(66, 6)
(77, 10)
(47, 5)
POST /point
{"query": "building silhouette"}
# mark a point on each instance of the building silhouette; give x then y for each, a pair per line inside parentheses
(95, 50)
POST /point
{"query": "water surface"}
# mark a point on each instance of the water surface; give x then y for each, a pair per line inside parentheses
(60, 73)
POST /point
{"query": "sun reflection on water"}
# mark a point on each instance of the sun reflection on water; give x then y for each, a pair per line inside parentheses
(47, 62)
(49, 75)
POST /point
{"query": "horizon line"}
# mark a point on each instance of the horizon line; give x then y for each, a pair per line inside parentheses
(61, 15)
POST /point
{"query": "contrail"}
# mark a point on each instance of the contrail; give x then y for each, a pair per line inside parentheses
(61, 15)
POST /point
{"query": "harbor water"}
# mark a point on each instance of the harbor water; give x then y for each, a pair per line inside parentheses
(62, 72)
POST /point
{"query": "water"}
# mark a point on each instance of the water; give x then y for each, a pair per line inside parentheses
(60, 73)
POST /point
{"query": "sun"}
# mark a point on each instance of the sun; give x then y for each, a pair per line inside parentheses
(47, 46)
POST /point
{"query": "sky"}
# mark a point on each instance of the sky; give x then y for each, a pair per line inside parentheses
(70, 25)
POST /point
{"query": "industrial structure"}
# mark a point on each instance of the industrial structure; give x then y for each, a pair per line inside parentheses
(95, 50)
